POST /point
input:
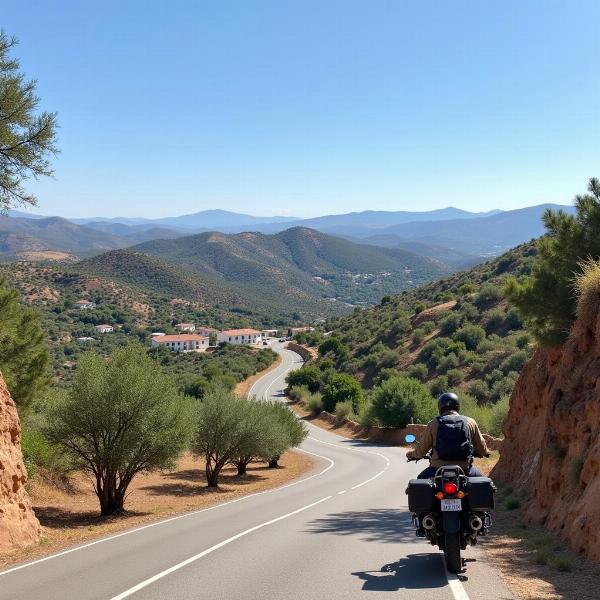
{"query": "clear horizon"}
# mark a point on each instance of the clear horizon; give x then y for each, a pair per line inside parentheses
(306, 109)
(35, 211)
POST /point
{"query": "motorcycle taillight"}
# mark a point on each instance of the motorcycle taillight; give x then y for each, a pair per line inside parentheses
(450, 487)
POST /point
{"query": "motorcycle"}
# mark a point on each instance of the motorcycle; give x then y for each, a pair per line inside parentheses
(451, 510)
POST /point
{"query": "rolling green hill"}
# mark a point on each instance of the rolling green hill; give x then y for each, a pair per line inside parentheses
(299, 264)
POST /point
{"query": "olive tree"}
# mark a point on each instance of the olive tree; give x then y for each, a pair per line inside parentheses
(222, 433)
(121, 417)
(285, 431)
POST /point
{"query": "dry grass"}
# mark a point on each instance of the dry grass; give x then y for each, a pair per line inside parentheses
(70, 514)
(587, 286)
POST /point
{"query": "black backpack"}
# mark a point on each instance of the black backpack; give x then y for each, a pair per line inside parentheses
(453, 438)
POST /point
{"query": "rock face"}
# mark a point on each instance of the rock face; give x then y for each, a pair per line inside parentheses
(552, 447)
(18, 524)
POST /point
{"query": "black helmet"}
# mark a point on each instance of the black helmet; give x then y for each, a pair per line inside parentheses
(448, 401)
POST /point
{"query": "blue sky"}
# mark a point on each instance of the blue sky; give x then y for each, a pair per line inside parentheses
(313, 107)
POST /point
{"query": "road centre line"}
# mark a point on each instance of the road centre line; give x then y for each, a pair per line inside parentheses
(200, 555)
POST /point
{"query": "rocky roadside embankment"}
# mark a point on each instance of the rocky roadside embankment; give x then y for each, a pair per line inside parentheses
(553, 432)
(19, 526)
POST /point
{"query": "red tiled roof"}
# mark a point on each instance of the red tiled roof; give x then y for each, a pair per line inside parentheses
(182, 337)
(241, 332)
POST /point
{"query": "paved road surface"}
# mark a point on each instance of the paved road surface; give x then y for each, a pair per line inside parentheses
(341, 532)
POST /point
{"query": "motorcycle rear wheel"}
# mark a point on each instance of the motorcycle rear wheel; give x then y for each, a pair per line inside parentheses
(452, 552)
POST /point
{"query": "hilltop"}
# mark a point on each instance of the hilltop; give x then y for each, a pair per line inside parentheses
(298, 265)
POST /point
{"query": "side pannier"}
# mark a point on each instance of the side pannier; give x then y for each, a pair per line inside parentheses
(420, 495)
(480, 494)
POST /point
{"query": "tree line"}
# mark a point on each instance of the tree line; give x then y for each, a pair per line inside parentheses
(124, 416)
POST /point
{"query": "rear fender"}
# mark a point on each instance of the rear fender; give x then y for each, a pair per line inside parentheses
(451, 521)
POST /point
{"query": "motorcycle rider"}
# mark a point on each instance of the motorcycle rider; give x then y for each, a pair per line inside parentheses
(452, 438)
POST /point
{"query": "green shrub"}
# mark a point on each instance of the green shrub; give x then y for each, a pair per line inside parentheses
(470, 335)
(542, 555)
(418, 336)
(418, 371)
(481, 413)
(309, 376)
(428, 327)
(488, 294)
(420, 307)
(343, 411)
(400, 400)
(451, 361)
(450, 323)
(438, 385)
(366, 415)
(469, 311)
(561, 563)
(339, 388)
(498, 414)
(455, 376)
(479, 390)
(314, 403)
(523, 341)
(515, 362)
(494, 319)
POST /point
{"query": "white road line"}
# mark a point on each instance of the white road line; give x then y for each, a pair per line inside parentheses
(456, 587)
(342, 492)
(355, 487)
(164, 521)
(169, 520)
(198, 556)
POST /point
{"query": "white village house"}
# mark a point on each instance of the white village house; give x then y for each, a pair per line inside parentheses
(267, 333)
(189, 327)
(104, 328)
(85, 305)
(182, 342)
(239, 336)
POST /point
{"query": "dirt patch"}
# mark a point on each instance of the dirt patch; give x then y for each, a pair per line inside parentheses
(71, 516)
(44, 294)
(430, 313)
(38, 255)
(242, 388)
(534, 564)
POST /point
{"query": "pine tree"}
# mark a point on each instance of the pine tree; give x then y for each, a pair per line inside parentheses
(26, 137)
(547, 299)
(24, 357)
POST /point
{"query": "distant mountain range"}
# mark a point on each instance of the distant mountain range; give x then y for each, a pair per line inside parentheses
(455, 237)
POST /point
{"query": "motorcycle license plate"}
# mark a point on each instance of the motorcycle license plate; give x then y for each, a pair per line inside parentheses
(451, 505)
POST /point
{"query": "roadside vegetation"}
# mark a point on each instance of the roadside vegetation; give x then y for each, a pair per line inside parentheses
(126, 416)
(457, 334)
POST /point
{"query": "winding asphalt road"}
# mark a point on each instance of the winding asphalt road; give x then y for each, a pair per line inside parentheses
(342, 531)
